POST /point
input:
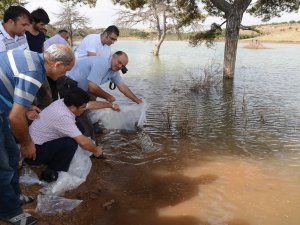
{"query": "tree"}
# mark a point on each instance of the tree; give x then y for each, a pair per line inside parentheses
(232, 11)
(69, 18)
(266, 9)
(90, 3)
(161, 15)
(4, 4)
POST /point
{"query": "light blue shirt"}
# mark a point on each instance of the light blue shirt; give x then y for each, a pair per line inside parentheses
(21, 75)
(96, 69)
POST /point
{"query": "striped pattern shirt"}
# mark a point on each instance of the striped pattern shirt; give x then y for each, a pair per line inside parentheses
(8, 43)
(21, 75)
(55, 121)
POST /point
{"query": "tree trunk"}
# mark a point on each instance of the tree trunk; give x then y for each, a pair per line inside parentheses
(234, 14)
(158, 44)
(161, 33)
(231, 41)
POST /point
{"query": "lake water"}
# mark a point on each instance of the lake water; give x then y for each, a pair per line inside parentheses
(227, 156)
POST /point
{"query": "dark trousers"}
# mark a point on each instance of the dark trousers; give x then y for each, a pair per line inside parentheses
(57, 154)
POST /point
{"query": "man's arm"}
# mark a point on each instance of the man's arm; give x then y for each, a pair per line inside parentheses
(19, 127)
(128, 93)
(99, 92)
(102, 105)
(88, 145)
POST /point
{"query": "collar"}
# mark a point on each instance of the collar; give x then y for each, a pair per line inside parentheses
(6, 35)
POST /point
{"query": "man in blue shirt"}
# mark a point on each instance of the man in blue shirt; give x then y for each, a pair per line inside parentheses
(21, 75)
(92, 71)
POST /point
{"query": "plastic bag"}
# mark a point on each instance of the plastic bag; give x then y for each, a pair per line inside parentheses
(79, 169)
(29, 177)
(50, 205)
(128, 118)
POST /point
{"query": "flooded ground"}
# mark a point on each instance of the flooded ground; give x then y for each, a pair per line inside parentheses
(227, 156)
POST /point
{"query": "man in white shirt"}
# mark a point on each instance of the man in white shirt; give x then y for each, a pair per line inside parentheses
(98, 44)
(60, 38)
(12, 29)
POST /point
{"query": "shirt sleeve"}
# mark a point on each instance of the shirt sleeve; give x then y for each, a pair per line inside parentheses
(26, 87)
(90, 44)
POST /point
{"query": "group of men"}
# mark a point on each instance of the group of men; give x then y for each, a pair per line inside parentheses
(31, 68)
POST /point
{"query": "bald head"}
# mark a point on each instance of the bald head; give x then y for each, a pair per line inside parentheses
(59, 59)
(119, 60)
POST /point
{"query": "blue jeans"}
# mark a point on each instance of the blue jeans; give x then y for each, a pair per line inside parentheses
(9, 178)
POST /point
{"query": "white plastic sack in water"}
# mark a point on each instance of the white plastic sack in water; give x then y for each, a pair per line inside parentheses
(128, 118)
(50, 205)
(79, 169)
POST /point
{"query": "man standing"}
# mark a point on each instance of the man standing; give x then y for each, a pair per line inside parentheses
(35, 35)
(98, 44)
(22, 73)
(60, 38)
(12, 30)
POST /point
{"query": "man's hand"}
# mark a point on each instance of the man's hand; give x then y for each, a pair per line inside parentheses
(110, 98)
(28, 151)
(33, 113)
(115, 107)
(98, 152)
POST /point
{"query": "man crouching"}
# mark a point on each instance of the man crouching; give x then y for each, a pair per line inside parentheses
(56, 135)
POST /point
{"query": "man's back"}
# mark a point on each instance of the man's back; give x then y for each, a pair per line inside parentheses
(20, 81)
(96, 69)
(56, 39)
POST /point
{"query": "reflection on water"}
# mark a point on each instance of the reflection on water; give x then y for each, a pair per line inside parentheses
(235, 152)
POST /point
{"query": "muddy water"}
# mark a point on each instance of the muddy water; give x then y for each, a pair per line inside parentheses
(227, 156)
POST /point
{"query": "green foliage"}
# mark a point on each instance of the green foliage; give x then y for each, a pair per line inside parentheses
(125, 32)
(266, 9)
(208, 36)
(187, 11)
(131, 4)
(90, 3)
(4, 4)
(247, 36)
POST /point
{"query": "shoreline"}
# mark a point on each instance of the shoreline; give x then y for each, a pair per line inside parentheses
(240, 40)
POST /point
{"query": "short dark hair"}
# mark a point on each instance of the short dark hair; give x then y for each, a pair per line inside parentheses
(112, 29)
(118, 53)
(76, 97)
(63, 31)
(40, 15)
(15, 11)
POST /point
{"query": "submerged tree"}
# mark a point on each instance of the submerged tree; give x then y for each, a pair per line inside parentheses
(160, 15)
(232, 11)
(69, 18)
(4, 4)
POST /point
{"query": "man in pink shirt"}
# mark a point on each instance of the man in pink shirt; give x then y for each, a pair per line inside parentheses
(56, 135)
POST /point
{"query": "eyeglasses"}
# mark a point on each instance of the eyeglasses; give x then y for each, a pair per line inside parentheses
(112, 39)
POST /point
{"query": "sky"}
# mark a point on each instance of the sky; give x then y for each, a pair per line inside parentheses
(104, 14)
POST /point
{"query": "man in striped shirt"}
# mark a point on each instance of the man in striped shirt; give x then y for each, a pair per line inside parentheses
(12, 30)
(21, 75)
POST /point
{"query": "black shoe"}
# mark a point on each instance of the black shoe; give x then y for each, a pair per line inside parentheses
(49, 175)
(97, 129)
